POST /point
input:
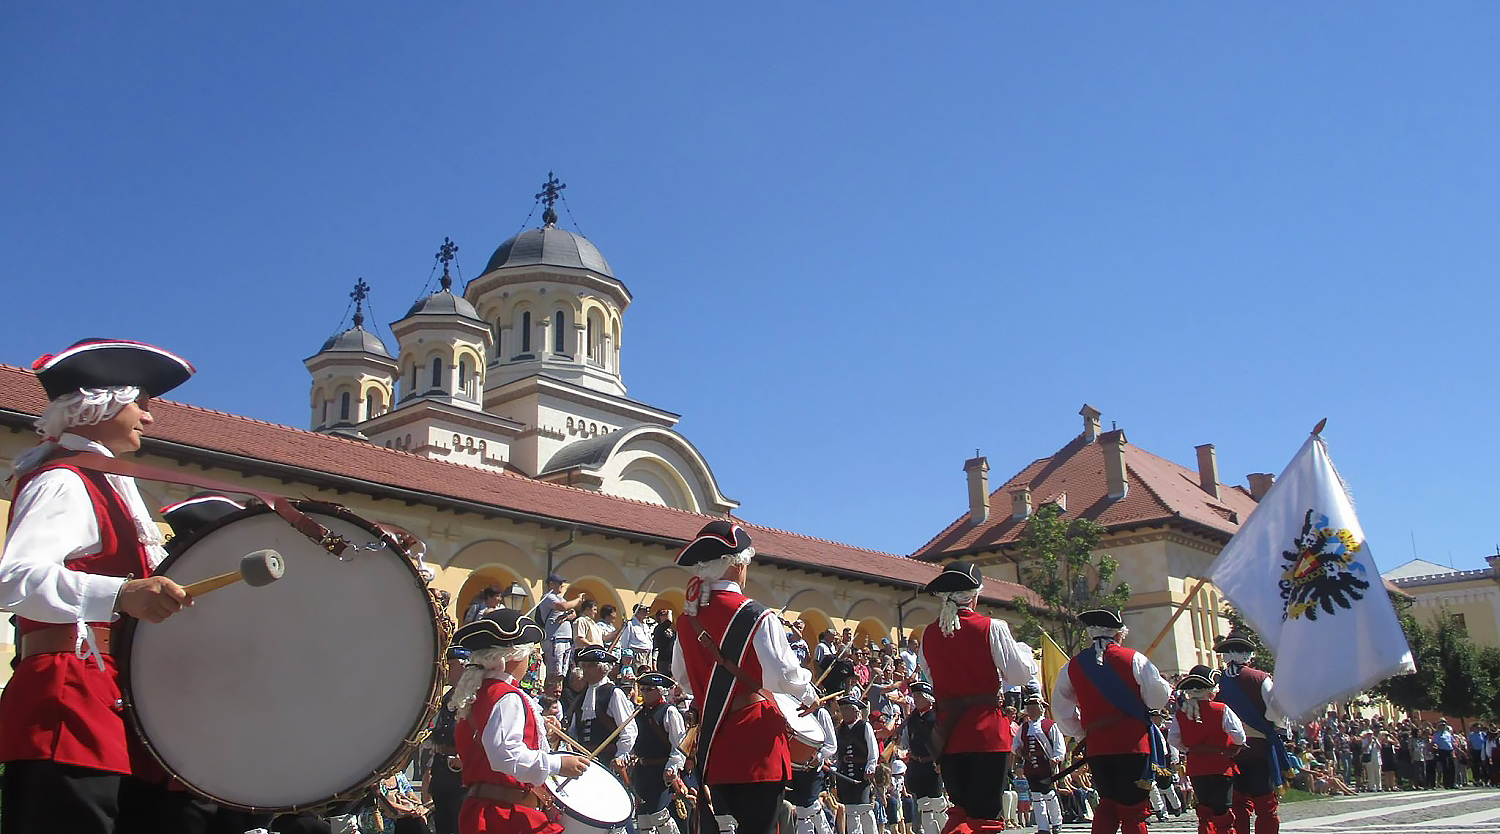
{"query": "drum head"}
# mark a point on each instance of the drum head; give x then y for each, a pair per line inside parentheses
(596, 798)
(805, 728)
(287, 695)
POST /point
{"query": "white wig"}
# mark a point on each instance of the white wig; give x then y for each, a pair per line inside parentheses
(1102, 636)
(713, 569)
(84, 407)
(1235, 661)
(482, 663)
(952, 602)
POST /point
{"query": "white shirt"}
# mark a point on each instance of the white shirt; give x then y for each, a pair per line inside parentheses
(54, 522)
(620, 709)
(1015, 666)
(503, 738)
(874, 749)
(1052, 740)
(1155, 691)
(780, 671)
(637, 636)
(671, 721)
(1231, 725)
(828, 751)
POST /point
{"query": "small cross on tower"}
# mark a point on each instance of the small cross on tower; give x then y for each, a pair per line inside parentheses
(445, 255)
(551, 190)
(361, 292)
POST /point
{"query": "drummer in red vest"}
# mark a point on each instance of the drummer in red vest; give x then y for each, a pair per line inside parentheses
(1210, 734)
(1041, 747)
(729, 647)
(1248, 692)
(76, 540)
(1104, 696)
(501, 735)
(970, 660)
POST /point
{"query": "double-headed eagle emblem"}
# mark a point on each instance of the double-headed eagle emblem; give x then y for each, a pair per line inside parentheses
(1321, 570)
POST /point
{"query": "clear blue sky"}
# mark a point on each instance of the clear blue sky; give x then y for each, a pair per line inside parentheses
(863, 239)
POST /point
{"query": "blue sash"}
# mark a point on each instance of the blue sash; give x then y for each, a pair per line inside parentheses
(1119, 695)
(1234, 696)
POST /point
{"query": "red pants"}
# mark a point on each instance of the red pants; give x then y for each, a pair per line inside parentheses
(483, 816)
(1211, 823)
(1264, 806)
(1111, 815)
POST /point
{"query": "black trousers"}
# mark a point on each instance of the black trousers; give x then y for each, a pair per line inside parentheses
(41, 797)
(976, 782)
(1254, 778)
(852, 793)
(1115, 776)
(649, 784)
(447, 792)
(805, 787)
(923, 780)
(1213, 792)
(753, 805)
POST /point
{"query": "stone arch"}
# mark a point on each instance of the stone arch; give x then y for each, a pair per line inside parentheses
(495, 552)
(916, 620)
(591, 564)
(671, 598)
(760, 592)
(868, 608)
(872, 629)
(500, 576)
(812, 599)
(650, 478)
(596, 589)
(817, 621)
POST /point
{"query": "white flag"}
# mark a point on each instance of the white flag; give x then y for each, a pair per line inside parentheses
(1301, 573)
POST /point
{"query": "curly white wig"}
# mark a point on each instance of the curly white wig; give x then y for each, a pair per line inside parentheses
(953, 601)
(84, 407)
(482, 663)
(1102, 636)
(713, 569)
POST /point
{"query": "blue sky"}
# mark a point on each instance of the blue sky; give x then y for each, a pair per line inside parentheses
(863, 239)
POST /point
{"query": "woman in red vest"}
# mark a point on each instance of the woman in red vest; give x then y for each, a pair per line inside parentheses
(501, 735)
(971, 659)
(76, 538)
(1210, 734)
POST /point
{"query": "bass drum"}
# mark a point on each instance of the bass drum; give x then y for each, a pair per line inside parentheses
(292, 695)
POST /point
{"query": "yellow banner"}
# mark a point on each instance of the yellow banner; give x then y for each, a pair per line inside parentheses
(1053, 661)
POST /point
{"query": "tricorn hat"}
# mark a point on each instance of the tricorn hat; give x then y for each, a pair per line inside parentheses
(1234, 641)
(1102, 618)
(1199, 677)
(199, 511)
(920, 687)
(655, 679)
(594, 654)
(958, 576)
(109, 363)
(497, 630)
(716, 540)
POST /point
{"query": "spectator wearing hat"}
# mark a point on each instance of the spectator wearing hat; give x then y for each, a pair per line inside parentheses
(76, 536)
(442, 786)
(501, 735)
(858, 754)
(970, 659)
(603, 706)
(733, 648)
(1442, 746)
(557, 630)
(923, 781)
(635, 637)
(1210, 734)
(656, 775)
(1104, 695)
(1041, 747)
(1250, 693)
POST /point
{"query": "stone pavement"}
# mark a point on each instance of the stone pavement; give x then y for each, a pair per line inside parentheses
(1474, 810)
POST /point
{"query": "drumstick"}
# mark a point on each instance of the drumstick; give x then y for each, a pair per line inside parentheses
(847, 646)
(594, 756)
(577, 747)
(259, 568)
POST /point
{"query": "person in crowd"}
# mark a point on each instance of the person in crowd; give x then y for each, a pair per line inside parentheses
(608, 621)
(1443, 752)
(486, 601)
(586, 630)
(400, 808)
(602, 707)
(1369, 756)
(1387, 762)
(553, 613)
(1040, 747)
(442, 786)
(635, 641)
(794, 639)
(826, 650)
(858, 754)
(908, 657)
(663, 639)
(1429, 756)
(1478, 764)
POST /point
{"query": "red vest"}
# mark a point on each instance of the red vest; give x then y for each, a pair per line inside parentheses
(961, 664)
(750, 743)
(1107, 729)
(58, 706)
(1251, 682)
(476, 763)
(1208, 731)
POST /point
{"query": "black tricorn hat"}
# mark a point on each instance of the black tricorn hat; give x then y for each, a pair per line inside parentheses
(1102, 618)
(1199, 677)
(920, 687)
(1234, 641)
(108, 363)
(497, 630)
(958, 576)
(716, 540)
(199, 511)
(594, 654)
(655, 679)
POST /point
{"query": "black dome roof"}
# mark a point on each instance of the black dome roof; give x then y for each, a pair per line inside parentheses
(549, 246)
(443, 303)
(356, 339)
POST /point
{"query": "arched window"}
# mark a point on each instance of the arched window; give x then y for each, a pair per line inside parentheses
(526, 332)
(370, 405)
(413, 390)
(326, 404)
(557, 335)
(590, 337)
(344, 406)
(437, 372)
(463, 375)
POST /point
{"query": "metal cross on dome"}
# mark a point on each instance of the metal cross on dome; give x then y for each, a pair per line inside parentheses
(361, 292)
(551, 190)
(445, 255)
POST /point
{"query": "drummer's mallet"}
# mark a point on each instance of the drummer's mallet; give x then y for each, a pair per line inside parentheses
(259, 568)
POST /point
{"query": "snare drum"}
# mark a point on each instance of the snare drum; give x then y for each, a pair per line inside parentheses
(295, 694)
(805, 734)
(596, 801)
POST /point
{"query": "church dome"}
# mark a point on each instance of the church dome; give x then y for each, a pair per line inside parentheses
(356, 339)
(549, 246)
(443, 303)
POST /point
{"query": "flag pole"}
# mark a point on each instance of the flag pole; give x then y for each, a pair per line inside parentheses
(1181, 607)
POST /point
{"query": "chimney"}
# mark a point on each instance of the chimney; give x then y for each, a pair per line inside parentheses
(1090, 422)
(1114, 463)
(1260, 484)
(1020, 503)
(978, 469)
(1208, 469)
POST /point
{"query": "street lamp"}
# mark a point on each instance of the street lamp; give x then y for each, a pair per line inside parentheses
(514, 596)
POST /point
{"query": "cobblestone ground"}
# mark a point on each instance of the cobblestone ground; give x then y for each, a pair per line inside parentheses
(1410, 812)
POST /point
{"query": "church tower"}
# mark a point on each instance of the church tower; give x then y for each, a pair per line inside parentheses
(353, 375)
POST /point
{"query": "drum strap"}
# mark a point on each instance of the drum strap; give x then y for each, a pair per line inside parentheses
(281, 505)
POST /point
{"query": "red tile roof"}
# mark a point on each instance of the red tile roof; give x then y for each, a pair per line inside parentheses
(257, 441)
(1160, 491)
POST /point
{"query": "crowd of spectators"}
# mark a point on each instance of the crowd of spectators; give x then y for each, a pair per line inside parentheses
(1341, 754)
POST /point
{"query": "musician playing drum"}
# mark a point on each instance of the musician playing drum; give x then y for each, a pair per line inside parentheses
(923, 781)
(729, 647)
(601, 708)
(501, 736)
(76, 538)
(658, 756)
(1041, 747)
(806, 790)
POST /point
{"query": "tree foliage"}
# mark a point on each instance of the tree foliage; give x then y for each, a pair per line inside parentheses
(1422, 690)
(1057, 561)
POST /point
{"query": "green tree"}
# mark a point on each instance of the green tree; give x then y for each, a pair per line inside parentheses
(1489, 663)
(1465, 688)
(1057, 561)
(1422, 690)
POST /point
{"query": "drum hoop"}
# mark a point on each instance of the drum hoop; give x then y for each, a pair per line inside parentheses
(582, 817)
(442, 632)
